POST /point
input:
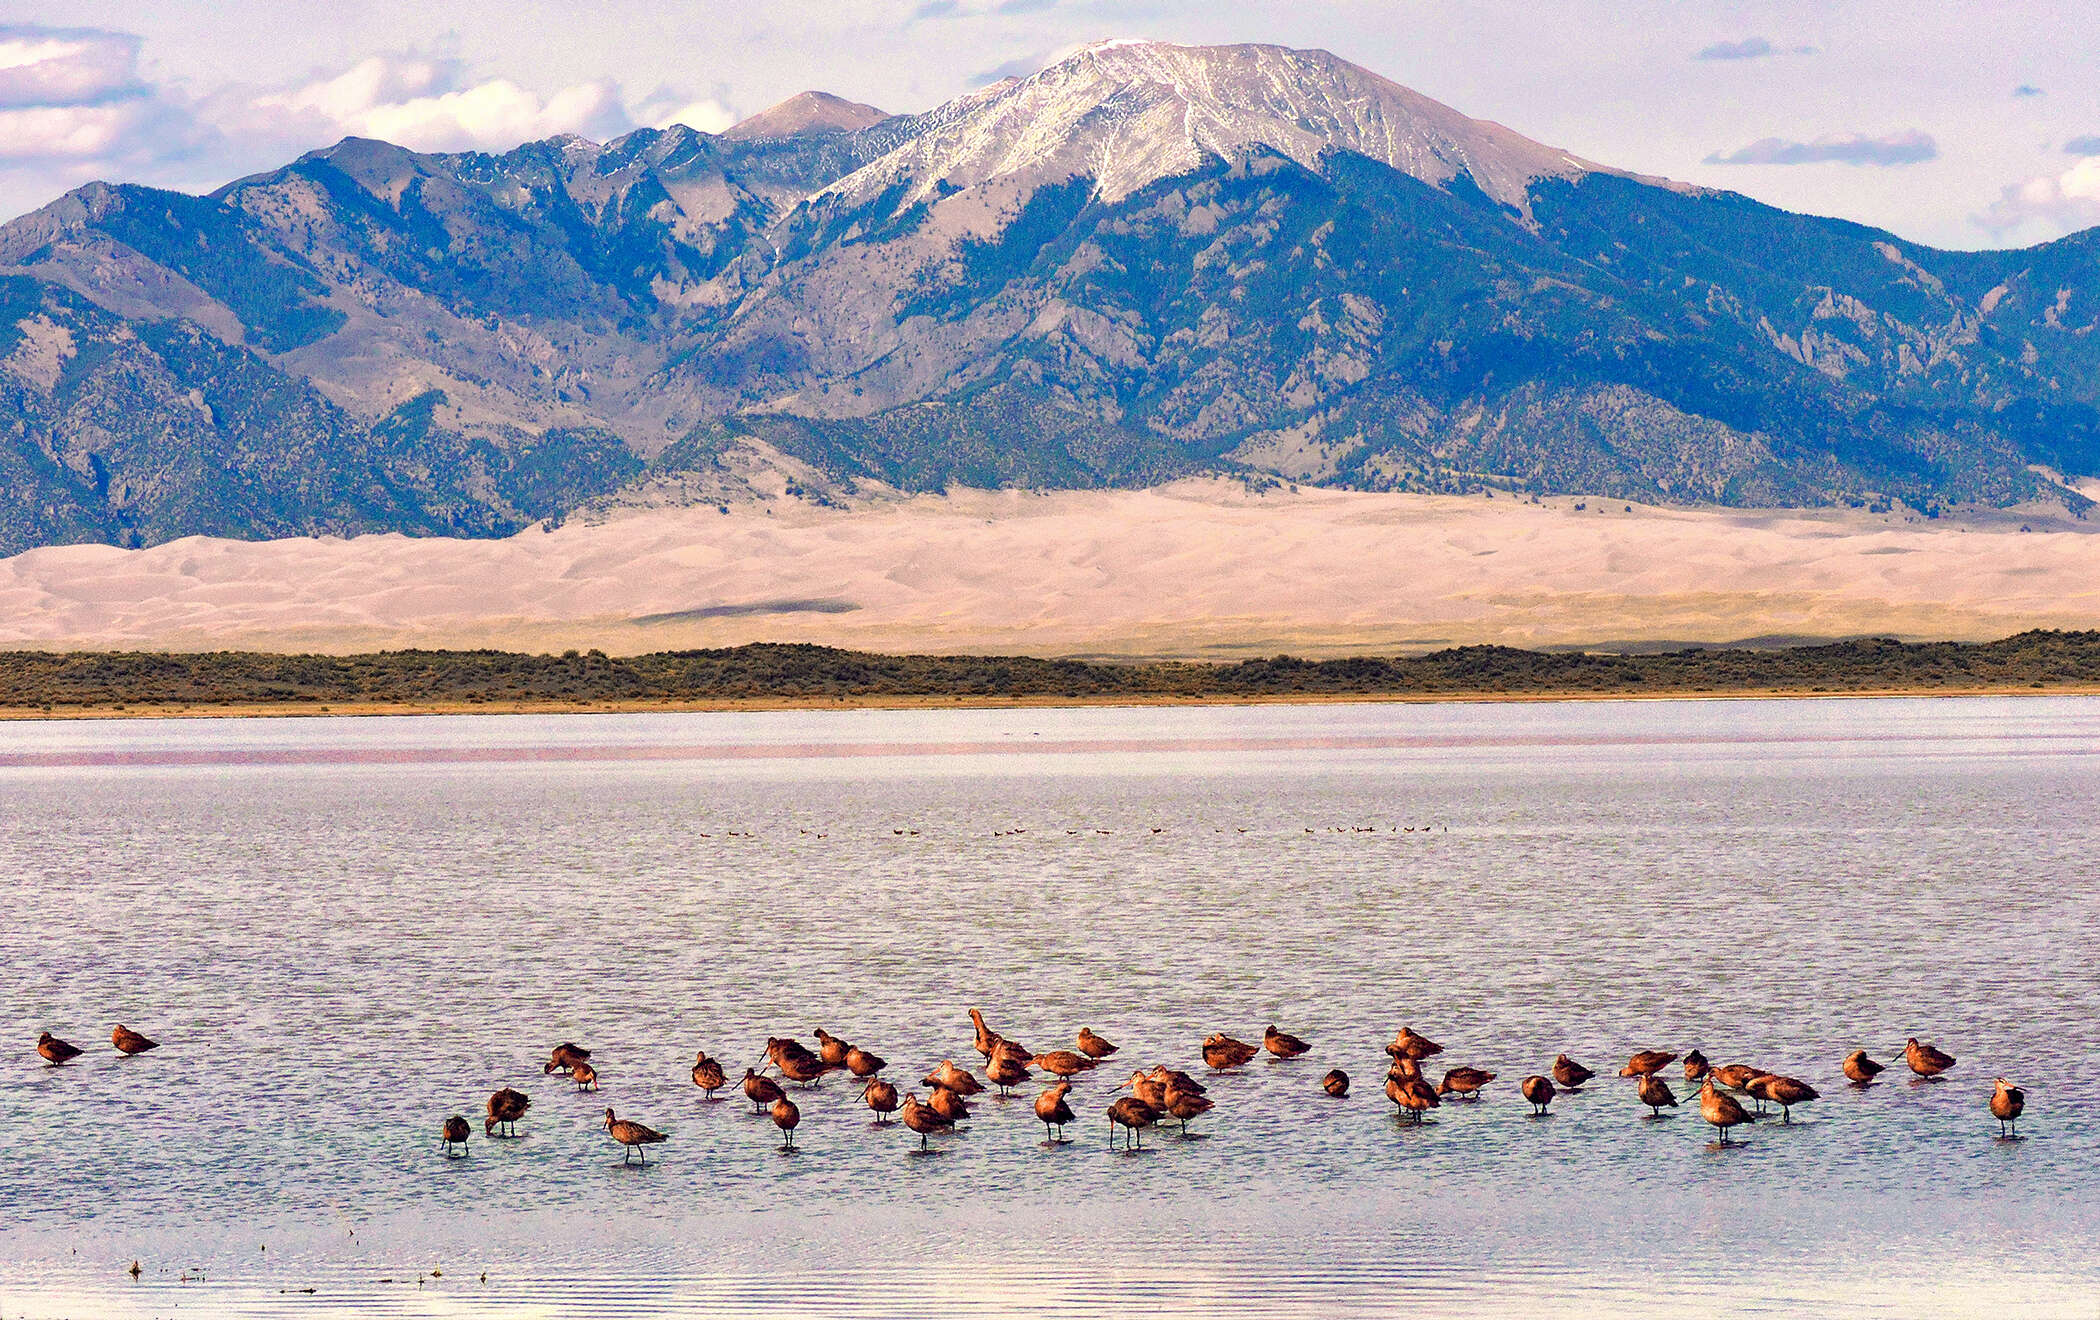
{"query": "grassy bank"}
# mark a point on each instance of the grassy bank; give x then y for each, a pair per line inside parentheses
(39, 683)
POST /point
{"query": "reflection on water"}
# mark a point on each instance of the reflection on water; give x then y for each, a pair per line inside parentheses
(343, 931)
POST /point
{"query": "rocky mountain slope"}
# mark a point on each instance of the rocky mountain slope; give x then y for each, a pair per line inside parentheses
(1140, 262)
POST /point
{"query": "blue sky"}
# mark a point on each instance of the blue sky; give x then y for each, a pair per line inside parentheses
(1958, 124)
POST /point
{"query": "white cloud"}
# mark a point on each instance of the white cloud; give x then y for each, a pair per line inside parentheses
(428, 105)
(66, 66)
(708, 116)
(2063, 202)
(66, 132)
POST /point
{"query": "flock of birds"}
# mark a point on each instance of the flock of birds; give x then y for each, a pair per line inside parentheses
(1159, 1093)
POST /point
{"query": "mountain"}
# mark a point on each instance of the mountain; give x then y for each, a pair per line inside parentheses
(1142, 261)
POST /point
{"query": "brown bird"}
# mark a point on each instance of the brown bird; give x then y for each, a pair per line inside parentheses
(1647, 1063)
(584, 1075)
(881, 1097)
(804, 1069)
(1696, 1067)
(952, 1078)
(506, 1107)
(1011, 1052)
(1282, 1044)
(128, 1041)
(631, 1135)
(2007, 1104)
(948, 1104)
(831, 1049)
(54, 1050)
(1861, 1069)
(1133, 1116)
(1006, 1072)
(456, 1133)
(1407, 1044)
(1926, 1061)
(1569, 1075)
(1411, 1092)
(1148, 1088)
(1185, 1105)
(1656, 1094)
(1092, 1046)
(760, 1091)
(1538, 1091)
(786, 1117)
(1174, 1076)
(565, 1057)
(986, 1037)
(708, 1075)
(1222, 1051)
(922, 1119)
(862, 1063)
(1464, 1082)
(1736, 1076)
(782, 1049)
(1063, 1064)
(1335, 1084)
(1786, 1092)
(1051, 1108)
(1721, 1110)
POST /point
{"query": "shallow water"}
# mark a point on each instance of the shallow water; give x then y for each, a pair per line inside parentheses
(344, 930)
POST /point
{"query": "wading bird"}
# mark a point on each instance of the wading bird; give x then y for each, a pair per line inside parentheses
(864, 1063)
(1282, 1044)
(1647, 1063)
(565, 1057)
(831, 1049)
(585, 1076)
(2007, 1103)
(760, 1091)
(128, 1041)
(1721, 1110)
(881, 1097)
(1006, 1072)
(1862, 1070)
(1786, 1092)
(1092, 1046)
(1656, 1094)
(1538, 1091)
(506, 1107)
(921, 1119)
(952, 1078)
(1051, 1108)
(1336, 1084)
(632, 1135)
(54, 1050)
(1927, 1061)
(1407, 1088)
(1464, 1082)
(1185, 1105)
(1148, 1088)
(1166, 1076)
(708, 1075)
(1062, 1064)
(781, 1050)
(1736, 1076)
(1408, 1044)
(804, 1069)
(787, 1118)
(1133, 1116)
(456, 1133)
(1569, 1075)
(1222, 1051)
(1696, 1067)
(948, 1104)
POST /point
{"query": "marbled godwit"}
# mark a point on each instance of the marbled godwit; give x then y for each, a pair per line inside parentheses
(565, 1057)
(1133, 1116)
(1464, 1082)
(1656, 1094)
(1148, 1088)
(1696, 1067)
(631, 1135)
(128, 1041)
(783, 1051)
(922, 1119)
(455, 1133)
(1063, 1064)
(1926, 1061)
(1786, 1092)
(2007, 1104)
(1411, 1092)
(1721, 1110)
(708, 1075)
(804, 1069)
(506, 1107)
(1006, 1072)
(948, 1104)
(1538, 1091)
(54, 1050)
(1647, 1063)
(831, 1049)
(1335, 1084)
(786, 1117)
(760, 1091)
(1736, 1076)
(1185, 1105)
(1221, 1051)
(1569, 1075)
(864, 1063)
(1282, 1044)
(987, 1039)
(1051, 1108)
(881, 1097)
(1409, 1044)
(949, 1077)
(1092, 1046)
(1166, 1076)
(1862, 1070)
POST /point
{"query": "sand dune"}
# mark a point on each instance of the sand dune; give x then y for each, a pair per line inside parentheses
(1197, 569)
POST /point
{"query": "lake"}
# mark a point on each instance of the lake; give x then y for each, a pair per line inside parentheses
(343, 931)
